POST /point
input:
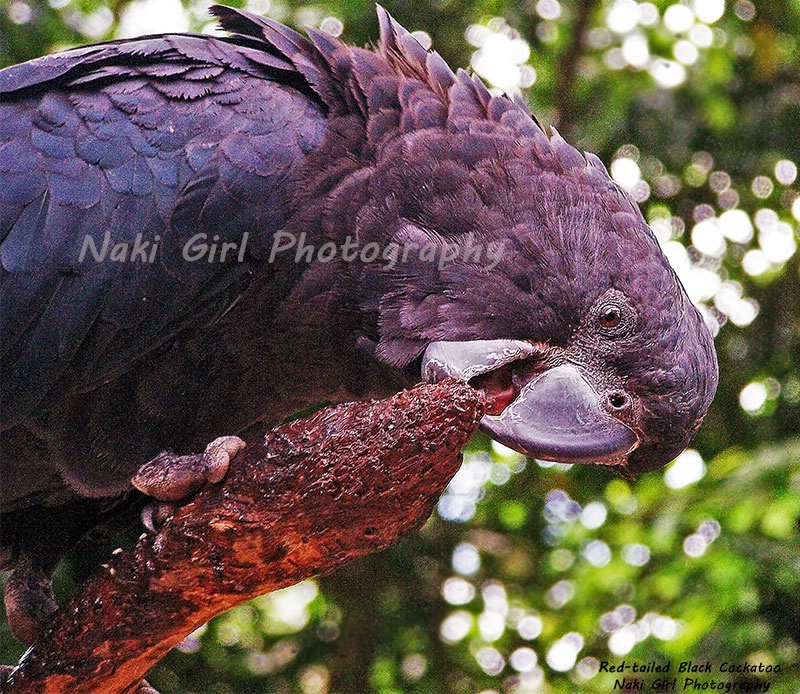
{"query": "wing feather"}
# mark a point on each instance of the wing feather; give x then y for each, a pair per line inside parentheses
(112, 157)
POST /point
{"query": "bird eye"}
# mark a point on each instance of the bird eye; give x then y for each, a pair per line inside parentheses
(613, 317)
(618, 401)
(610, 316)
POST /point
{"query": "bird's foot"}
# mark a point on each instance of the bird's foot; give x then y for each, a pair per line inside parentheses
(169, 478)
(29, 600)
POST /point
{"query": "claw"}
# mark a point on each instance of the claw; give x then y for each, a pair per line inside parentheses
(218, 455)
(155, 514)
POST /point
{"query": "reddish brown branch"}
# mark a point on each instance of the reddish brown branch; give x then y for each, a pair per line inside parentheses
(319, 492)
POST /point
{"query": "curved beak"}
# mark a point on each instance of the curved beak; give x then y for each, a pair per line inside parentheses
(557, 415)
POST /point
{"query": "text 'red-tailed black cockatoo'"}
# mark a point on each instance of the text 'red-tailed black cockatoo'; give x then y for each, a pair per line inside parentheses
(200, 234)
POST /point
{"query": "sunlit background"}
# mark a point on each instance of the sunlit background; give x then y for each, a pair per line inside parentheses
(531, 574)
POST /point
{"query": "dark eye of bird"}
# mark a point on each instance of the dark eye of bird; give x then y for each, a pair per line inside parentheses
(618, 400)
(610, 316)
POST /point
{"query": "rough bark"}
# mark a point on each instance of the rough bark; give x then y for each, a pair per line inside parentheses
(317, 493)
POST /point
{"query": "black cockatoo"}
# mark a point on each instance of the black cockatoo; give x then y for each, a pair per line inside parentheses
(201, 234)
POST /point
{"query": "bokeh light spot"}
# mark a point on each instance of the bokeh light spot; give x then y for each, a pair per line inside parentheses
(762, 187)
(559, 594)
(530, 627)
(466, 560)
(334, 26)
(694, 546)
(594, 515)
(636, 554)
(709, 11)
(562, 654)
(668, 73)
(456, 626)
(523, 659)
(622, 16)
(597, 553)
(753, 397)
(622, 641)
(687, 469)
(587, 668)
(19, 12)
(490, 660)
(458, 591)
(786, 172)
(626, 172)
(678, 18)
(736, 225)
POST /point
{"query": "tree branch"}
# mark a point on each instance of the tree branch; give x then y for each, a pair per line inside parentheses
(569, 67)
(317, 493)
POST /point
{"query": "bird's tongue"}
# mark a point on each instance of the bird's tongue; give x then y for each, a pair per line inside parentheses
(552, 413)
(498, 389)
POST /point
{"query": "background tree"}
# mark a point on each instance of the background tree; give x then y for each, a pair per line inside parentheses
(529, 576)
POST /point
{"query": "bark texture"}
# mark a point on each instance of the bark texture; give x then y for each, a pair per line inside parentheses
(318, 492)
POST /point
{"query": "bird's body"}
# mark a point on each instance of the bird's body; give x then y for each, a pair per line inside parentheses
(159, 200)
(103, 332)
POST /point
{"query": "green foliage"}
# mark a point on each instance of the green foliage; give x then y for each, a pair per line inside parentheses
(530, 577)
